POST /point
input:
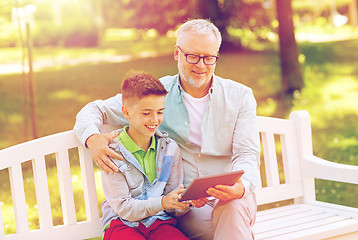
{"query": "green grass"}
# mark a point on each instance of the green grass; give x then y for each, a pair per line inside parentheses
(330, 95)
(67, 90)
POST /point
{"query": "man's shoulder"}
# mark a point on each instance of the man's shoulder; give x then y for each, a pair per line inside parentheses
(231, 85)
(168, 81)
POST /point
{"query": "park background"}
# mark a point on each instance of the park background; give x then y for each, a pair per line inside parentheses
(58, 55)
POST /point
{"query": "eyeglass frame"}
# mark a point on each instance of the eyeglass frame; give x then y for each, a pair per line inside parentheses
(187, 54)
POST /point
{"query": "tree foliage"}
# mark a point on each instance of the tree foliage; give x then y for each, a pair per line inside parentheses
(162, 15)
(242, 14)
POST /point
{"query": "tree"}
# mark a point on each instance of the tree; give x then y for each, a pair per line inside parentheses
(353, 12)
(235, 14)
(162, 15)
(219, 13)
(292, 78)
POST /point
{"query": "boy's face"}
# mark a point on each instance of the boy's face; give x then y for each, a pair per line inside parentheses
(144, 115)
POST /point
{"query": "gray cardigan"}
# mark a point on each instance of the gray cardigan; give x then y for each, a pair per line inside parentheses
(130, 196)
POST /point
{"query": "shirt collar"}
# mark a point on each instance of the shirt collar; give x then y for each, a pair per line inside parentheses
(211, 89)
(130, 145)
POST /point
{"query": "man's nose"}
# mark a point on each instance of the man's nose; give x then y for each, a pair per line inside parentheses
(201, 63)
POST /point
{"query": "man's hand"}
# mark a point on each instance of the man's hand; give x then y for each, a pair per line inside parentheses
(170, 201)
(100, 152)
(227, 193)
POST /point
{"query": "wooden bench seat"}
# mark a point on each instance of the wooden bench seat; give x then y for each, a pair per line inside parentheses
(288, 173)
(306, 221)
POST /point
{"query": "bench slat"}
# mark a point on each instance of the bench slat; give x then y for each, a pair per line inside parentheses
(89, 185)
(66, 189)
(333, 228)
(42, 193)
(268, 145)
(291, 165)
(274, 210)
(293, 220)
(304, 221)
(18, 198)
(278, 216)
(268, 124)
(306, 229)
(38, 147)
(334, 209)
(296, 218)
(81, 230)
(278, 193)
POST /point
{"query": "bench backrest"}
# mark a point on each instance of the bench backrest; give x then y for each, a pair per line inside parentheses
(36, 152)
(280, 174)
(280, 169)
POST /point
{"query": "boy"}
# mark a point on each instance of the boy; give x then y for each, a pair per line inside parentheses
(140, 197)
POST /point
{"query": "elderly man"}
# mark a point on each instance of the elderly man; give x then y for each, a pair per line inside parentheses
(214, 122)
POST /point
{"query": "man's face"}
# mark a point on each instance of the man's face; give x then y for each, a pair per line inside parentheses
(144, 116)
(196, 76)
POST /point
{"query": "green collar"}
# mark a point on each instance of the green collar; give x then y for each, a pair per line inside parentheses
(130, 145)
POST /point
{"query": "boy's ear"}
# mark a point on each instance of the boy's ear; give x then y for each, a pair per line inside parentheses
(125, 111)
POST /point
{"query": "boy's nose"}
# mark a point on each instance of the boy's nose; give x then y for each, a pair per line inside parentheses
(155, 118)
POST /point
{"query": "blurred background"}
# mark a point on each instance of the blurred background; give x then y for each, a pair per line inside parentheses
(58, 55)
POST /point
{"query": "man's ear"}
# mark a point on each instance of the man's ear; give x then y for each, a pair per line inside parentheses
(125, 111)
(176, 53)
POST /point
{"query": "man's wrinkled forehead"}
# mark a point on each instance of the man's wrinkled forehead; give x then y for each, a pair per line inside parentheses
(194, 43)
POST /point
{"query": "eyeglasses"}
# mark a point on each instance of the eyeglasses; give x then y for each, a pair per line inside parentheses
(194, 59)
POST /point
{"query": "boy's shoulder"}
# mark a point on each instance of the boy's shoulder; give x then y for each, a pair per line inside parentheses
(165, 136)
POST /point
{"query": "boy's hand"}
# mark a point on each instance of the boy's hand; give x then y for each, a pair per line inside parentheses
(198, 203)
(170, 201)
(100, 152)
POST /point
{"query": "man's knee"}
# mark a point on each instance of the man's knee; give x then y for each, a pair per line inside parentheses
(243, 209)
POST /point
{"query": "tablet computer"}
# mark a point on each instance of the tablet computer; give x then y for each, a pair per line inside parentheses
(197, 188)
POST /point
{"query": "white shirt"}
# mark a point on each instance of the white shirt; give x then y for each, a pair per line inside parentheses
(196, 108)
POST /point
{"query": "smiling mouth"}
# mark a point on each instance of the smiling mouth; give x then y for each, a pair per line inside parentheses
(152, 128)
(198, 73)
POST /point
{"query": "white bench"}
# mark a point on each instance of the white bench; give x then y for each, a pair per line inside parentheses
(305, 218)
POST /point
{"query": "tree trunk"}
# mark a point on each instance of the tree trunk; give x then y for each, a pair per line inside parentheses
(31, 82)
(292, 78)
(220, 16)
(353, 13)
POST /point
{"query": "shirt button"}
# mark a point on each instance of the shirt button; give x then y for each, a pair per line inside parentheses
(186, 123)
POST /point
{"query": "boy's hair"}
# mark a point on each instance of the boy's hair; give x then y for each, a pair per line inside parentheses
(141, 84)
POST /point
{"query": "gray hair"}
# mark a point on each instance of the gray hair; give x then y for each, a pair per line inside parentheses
(199, 26)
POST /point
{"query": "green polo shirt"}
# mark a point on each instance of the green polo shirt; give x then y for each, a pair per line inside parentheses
(145, 159)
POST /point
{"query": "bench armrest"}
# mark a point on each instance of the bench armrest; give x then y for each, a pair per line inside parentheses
(316, 167)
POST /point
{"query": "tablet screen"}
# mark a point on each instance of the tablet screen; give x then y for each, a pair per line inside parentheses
(197, 188)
